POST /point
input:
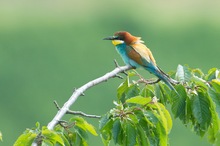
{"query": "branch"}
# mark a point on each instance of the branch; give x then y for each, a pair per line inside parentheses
(142, 80)
(148, 81)
(81, 90)
(77, 112)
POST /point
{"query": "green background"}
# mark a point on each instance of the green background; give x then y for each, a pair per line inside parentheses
(48, 47)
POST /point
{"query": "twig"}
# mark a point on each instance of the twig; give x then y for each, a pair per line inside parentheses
(77, 112)
(116, 63)
(82, 114)
(65, 124)
(148, 81)
(142, 80)
(118, 66)
(120, 77)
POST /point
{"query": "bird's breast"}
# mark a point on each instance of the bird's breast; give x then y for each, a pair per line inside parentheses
(123, 51)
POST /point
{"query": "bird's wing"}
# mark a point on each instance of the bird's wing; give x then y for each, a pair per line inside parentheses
(140, 52)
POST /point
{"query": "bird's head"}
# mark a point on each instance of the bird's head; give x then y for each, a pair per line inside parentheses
(122, 37)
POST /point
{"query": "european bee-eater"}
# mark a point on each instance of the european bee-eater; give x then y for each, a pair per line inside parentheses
(136, 54)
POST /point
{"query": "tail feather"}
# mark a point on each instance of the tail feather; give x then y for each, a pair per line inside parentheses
(170, 79)
(162, 75)
(166, 79)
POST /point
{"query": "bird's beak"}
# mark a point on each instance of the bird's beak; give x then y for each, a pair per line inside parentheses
(111, 38)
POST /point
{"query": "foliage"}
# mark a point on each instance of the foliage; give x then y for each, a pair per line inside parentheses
(197, 105)
(74, 132)
(140, 116)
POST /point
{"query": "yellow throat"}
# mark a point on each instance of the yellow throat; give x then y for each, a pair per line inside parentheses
(117, 42)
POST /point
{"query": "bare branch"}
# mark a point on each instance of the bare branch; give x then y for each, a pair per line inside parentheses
(148, 81)
(120, 77)
(81, 90)
(83, 94)
(116, 63)
(77, 112)
(82, 114)
(142, 80)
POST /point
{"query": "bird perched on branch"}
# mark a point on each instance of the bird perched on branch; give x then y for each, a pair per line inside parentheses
(136, 54)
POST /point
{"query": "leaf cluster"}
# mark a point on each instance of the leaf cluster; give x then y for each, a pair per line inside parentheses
(144, 123)
(74, 132)
(140, 116)
(198, 102)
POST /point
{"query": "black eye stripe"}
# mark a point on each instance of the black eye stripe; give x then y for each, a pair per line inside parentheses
(120, 38)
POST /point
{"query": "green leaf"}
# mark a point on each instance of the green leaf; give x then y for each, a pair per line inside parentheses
(215, 123)
(133, 118)
(47, 142)
(216, 85)
(90, 128)
(105, 124)
(106, 137)
(26, 138)
(198, 72)
(159, 93)
(165, 117)
(214, 128)
(37, 125)
(212, 74)
(144, 119)
(148, 121)
(148, 91)
(161, 134)
(161, 137)
(132, 90)
(183, 74)
(216, 99)
(139, 100)
(179, 103)
(144, 141)
(76, 139)
(217, 143)
(81, 136)
(162, 92)
(65, 141)
(52, 136)
(130, 133)
(103, 121)
(80, 122)
(117, 132)
(200, 109)
(105, 128)
(199, 82)
(122, 88)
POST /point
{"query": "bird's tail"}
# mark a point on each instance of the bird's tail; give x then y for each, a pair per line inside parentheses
(162, 76)
(166, 79)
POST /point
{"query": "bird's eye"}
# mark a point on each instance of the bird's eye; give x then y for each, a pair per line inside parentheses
(120, 38)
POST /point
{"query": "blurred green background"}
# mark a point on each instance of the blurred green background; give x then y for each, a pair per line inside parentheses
(48, 47)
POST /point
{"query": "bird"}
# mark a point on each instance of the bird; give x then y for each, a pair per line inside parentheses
(136, 54)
